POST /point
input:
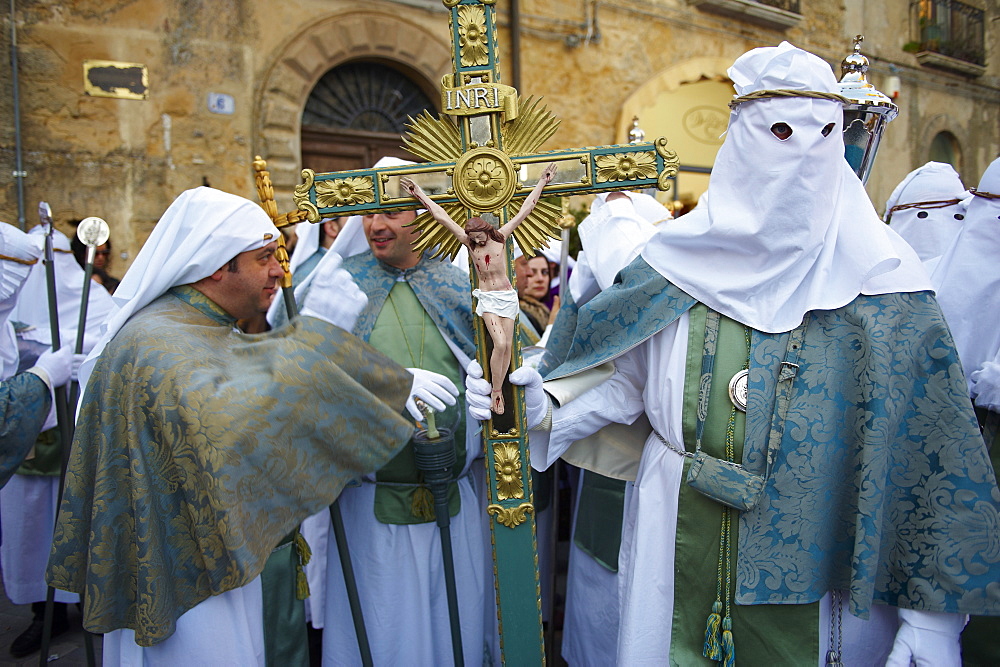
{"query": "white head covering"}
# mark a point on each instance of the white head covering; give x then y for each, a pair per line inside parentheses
(13, 243)
(788, 227)
(967, 277)
(33, 305)
(928, 230)
(610, 238)
(198, 234)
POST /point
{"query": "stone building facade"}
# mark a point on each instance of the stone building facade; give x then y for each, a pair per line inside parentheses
(327, 84)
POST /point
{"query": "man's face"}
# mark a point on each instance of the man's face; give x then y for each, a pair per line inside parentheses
(478, 238)
(250, 289)
(390, 240)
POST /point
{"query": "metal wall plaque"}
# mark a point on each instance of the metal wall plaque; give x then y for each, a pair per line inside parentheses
(108, 78)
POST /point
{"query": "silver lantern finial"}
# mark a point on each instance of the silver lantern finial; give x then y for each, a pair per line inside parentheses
(636, 135)
(865, 116)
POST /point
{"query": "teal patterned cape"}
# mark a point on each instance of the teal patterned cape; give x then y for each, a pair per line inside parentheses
(199, 448)
(25, 401)
(882, 485)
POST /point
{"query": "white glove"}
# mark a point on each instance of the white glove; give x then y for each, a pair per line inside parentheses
(927, 639)
(333, 296)
(535, 399)
(56, 368)
(433, 389)
(985, 383)
(477, 392)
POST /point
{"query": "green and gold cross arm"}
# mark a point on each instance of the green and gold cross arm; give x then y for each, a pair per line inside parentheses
(486, 180)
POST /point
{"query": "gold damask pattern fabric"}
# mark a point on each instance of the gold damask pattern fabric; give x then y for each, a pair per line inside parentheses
(199, 448)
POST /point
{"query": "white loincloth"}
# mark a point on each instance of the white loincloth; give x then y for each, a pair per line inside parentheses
(499, 302)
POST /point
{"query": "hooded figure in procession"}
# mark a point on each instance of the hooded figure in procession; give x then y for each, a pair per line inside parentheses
(927, 209)
(26, 398)
(814, 451)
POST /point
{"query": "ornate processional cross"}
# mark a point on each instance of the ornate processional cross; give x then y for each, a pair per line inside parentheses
(483, 160)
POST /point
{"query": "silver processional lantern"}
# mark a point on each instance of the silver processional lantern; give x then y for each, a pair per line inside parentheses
(866, 115)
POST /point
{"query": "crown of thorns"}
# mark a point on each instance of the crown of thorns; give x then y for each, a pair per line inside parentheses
(781, 92)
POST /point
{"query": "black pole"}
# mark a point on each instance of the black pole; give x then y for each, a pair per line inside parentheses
(65, 421)
(62, 416)
(88, 272)
(351, 583)
(435, 457)
(288, 294)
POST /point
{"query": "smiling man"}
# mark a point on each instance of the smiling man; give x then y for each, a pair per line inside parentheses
(418, 315)
(198, 448)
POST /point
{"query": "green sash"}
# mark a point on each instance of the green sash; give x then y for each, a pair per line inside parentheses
(598, 527)
(763, 634)
(47, 460)
(285, 638)
(405, 333)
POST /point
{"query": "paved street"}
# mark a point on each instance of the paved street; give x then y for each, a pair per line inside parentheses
(67, 649)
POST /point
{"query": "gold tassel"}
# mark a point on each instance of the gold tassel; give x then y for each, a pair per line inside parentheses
(301, 583)
(712, 649)
(302, 549)
(422, 504)
(728, 647)
(304, 554)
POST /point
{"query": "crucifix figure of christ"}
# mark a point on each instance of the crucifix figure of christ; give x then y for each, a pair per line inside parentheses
(483, 159)
(496, 298)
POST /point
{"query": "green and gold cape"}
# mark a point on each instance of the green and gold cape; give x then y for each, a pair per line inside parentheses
(199, 448)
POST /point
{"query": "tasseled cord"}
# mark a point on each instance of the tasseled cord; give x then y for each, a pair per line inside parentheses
(713, 648)
(305, 555)
(728, 648)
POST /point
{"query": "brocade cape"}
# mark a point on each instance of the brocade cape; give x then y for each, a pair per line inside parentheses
(199, 448)
(881, 486)
(24, 403)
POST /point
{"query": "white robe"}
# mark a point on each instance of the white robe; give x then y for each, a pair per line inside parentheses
(225, 630)
(590, 628)
(28, 515)
(646, 560)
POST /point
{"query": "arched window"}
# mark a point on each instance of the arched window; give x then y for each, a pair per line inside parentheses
(945, 148)
(356, 113)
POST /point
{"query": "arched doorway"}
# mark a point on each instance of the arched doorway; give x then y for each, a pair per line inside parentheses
(945, 148)
(356, 113)
(371, 35)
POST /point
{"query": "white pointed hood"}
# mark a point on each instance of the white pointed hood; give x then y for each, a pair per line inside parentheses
(788, 227)
(967, 277)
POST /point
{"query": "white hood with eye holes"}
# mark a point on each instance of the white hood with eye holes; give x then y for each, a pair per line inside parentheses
(788, 227)
(927, 226)
(967, 277)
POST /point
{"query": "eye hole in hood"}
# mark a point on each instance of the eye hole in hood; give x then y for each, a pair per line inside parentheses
(781, 130)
